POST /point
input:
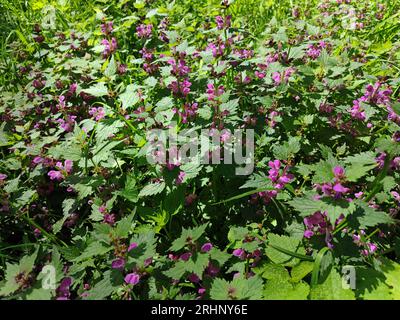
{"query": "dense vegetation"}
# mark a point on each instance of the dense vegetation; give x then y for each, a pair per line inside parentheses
(85, 215)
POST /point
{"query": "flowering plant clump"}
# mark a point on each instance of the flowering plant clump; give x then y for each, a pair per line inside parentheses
(314, 84)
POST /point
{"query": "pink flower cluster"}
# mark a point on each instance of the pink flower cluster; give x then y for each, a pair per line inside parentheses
(107, 27)
(372, 95)
(188, 112)
(180, 88)
(369, 247)
(279, 179)
(314, 50)
(223, 23)
(335, 189)
(97, 113)
(109, 47)
(213, 92)
(62, 172)
(144, 30)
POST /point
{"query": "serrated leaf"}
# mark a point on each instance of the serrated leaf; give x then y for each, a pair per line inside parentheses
(152, 189)
(359, 165)
(276, 289)
(97, 90)
(285, 242)
(130, 97)
(331, 289)
(94, 249)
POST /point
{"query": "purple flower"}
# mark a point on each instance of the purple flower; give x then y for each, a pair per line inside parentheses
(97, 113)
(63, 289)
(308, 234)
(185, 256)
(3, 176)
(206, 247)
(132, 278)
(339, 189)
(109, 47)
(276, 76)
(193, 278)
(109, 218)
(239, 253)
(132, 246)
(118, 264)
(55, 175)
(144, 30)
(338, 172)
(107, 27)
(213, 92)
(180, 178)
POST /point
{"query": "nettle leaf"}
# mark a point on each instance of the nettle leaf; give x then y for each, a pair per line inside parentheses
(287, 243)
(188, 235)
(331, 289)
(177, 271)
(276, 289)
(96, 248)
(25, 266)
(323, 172)
(296, 52)
(334, 207)
(391, 271)
(370, 284)
(98, 90)
(152, 189)
(10, 285)
(365, 216)
(288, 149)
(146, 248)
(130, 191)
(359, 165)
(258, 181)
(68, 206)
(165, 103)
(124, 226)
(230, 106)
(239, 288)
(107, 128)
(111, 281)
(197, 263)
(272, 271)
(130, 97)
(111, 68)
(299, 271)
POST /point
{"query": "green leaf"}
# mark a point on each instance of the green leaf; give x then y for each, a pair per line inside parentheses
(359, 165)
(105, 287)
(285, 242)
(365, 216)
(130, 97)
(94, 249)
(68, 206)
(124, 226)
(272, 271)
(288, 149)
(239, 288)
(10, 286)
(98, 90)
(331, 289)
(186, 236)
(334, 207)
(152, 189)
(299, 271)
(276, 289)
(111, 68)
